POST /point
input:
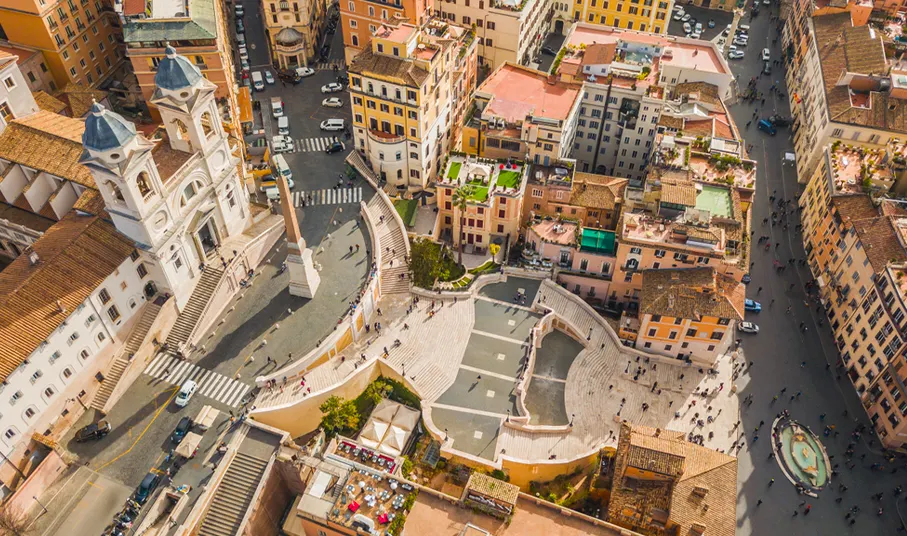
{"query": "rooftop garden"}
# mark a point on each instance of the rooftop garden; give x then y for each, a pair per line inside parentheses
(509, 179)
(454, 170)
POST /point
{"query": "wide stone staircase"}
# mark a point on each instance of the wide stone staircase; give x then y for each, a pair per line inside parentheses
(133, 343)
(198, 302)
(233, 495)
(392, 241)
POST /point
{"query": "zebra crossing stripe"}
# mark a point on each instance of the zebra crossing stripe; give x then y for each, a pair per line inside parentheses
(239, 395)
(211, 384)
(153, 366)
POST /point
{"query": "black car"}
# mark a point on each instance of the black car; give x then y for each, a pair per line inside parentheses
(146, 488)
(548, 50)
(780, 120)
(93, 431)
(181, 429)
(288, 75)
(343, 79)
(335, 147)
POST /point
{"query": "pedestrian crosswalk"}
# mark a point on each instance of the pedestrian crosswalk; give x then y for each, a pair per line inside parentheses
(174, 370)
(328, 196)
(324, 65)
(310, 145)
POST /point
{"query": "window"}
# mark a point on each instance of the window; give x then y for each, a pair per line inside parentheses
(113, 313)
(73, 337)
(10, 433)
(50, 392)
(54, 356)
(104, 296)
(36, 376)
(84, 354)
(67, 373)
(30, 412)
(6, 113)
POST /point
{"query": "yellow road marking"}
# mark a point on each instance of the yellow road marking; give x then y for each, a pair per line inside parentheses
(136, 442)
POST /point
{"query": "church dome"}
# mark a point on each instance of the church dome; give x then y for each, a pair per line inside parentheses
(105, 130)
(175, 72)
(288, 37)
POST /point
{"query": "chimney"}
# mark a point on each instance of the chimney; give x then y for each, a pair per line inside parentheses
(33, 257)
(60, 307)
(657, 432)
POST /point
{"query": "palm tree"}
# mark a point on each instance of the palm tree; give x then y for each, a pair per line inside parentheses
(460, 201)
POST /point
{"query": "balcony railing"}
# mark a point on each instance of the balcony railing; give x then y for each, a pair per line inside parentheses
(385, 137)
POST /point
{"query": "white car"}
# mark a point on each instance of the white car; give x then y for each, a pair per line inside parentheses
(333, 87)
(281, 144)
(740, 42)
(766, 55)
(735, 55)
(696, 34)
(687, 28)
(332, 102)
(186, 392)
(745, 28)
(269, 78)
(686, 17)
(727, 31)
(302, 72)
(678, 15)
(748, 327)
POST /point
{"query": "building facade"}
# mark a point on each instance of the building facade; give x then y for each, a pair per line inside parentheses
(359, 19)
(524, 114)
(643, 15)
(178, 198)
(77, 39)
(507, 30)
(294, 30)
(687, 313)
(199, 30)
(405, 91)
(35, 70)
(492, 202)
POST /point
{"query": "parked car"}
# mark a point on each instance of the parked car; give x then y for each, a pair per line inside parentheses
(182, 428)
(332, 102)
(766, 54)
(686, 17)
(268, 182)
(698, 27)
(752, 306)
(334, 147)
(343, 79)
(333, 87)
(288, 75)
(333, 124)
(727, 30)
(687, 28)
(240, 11)
(93, 431)
(281, 144)
(711, 23)
(696, 34)
(146, 488)
(745, 28)
(735, 55)
(269, 78)
(740, 42)
(302, 72)
(548, 50)
(678, 16)
(746, 279)
(748, 327)
(766, 68)
(240, 27)
(186, 392)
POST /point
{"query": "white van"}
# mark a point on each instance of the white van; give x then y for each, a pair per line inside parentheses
(283, 126)
(273, 194)
(276, 106)
(186, 392)
(257, 81)
(279, 163)
(333, 124)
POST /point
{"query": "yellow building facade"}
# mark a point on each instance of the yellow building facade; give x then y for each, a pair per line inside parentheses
(643, 15)
(405, 90)
(294, 30)
(78, 38)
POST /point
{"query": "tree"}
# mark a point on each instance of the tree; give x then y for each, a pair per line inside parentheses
(494, 249)
(14, 523)
(460, 201)
(377, 390)
(424, 262)
(338, 415)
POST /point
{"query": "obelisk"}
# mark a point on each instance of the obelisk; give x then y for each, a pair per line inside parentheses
(304, 280)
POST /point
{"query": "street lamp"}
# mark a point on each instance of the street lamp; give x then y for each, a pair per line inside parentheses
(39, 503)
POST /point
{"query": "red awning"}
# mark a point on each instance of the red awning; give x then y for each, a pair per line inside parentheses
(382, 519)
(353, 506)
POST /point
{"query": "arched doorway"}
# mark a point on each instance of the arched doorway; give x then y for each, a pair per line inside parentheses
(559, 27)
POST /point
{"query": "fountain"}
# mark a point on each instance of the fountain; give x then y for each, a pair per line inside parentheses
(801, 455)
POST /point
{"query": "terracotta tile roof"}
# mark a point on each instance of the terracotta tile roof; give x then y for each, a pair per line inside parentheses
(597, 191)
(844, 48)
(397, 69)
(678, 194)
(707, 93)
(26, 218)
(76, 255)
(854, 206)
(80, 98)
(133, 7)
(48, 103)
(168, 160)
(691, 293)
(492, 487)
(893, 208)
(599, 54)
(880, 241)
(671, 122)
(703, 495)
(698, 127)
(22, 53)
(29, 140)
(92, 203)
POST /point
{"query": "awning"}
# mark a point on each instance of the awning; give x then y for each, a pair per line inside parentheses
(355, 159)
(245, 105)
(188, 445)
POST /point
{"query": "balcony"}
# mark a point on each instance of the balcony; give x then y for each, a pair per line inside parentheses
(385, 137)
